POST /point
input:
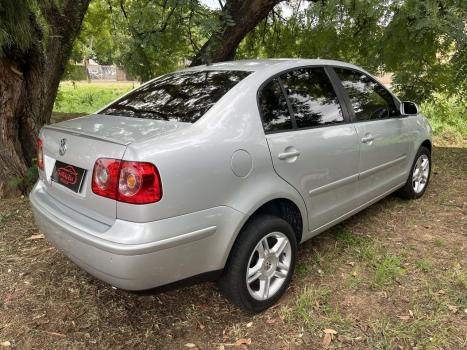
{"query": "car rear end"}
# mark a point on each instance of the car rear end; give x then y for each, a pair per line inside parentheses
(85, 175)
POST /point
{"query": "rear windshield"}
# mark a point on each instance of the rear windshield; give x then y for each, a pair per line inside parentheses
(181, 97)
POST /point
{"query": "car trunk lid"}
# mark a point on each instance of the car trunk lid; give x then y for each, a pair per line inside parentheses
(76, 144)
(118, 129)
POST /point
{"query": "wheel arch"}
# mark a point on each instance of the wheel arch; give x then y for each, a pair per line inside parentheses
(281, 206)
(427, 143)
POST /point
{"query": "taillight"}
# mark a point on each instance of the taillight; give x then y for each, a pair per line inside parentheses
(105, 177)
(139, 183)
(40, 155)
(130, 182)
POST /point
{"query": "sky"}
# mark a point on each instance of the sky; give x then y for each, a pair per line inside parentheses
(211, 3)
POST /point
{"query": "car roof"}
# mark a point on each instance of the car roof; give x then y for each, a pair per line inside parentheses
(272, 64)
(263, 69)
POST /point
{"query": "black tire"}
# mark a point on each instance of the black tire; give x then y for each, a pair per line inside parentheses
(408, 191)
(233, 282)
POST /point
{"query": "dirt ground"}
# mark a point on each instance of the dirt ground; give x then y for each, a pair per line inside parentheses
(391, 277)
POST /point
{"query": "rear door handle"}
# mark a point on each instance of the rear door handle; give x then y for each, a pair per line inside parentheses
(368, 139)
(289, 154)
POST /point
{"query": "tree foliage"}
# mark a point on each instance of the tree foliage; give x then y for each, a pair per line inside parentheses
(422, 43)
(146, 37)
(96, 38)
(15, 25)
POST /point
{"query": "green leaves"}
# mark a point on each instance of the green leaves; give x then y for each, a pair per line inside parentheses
(148, 38)
(15, 25)
(423, 43)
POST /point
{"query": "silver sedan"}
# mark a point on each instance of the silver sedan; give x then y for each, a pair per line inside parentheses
(218, 172)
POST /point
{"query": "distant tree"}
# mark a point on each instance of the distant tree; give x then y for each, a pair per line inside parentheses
(96, 39)
(36, 39)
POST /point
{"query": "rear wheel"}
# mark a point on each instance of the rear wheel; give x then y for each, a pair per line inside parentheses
(261, 264)
(419, 177)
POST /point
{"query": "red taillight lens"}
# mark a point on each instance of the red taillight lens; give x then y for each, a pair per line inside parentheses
(105, 177)
(139, 183)
(40, 155)
(130, 182)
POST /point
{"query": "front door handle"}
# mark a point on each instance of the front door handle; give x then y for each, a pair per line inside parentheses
(288, 154)
(368, 138)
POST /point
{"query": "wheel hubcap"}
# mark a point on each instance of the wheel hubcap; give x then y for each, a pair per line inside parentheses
(268, 266)
(420, 173)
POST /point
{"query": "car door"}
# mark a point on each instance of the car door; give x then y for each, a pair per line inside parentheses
(384, 135)
(313, 146)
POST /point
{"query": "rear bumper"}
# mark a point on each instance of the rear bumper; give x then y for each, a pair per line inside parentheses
(139, 256)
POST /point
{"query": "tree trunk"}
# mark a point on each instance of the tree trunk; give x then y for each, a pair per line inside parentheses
(28, 86)
(238, 18)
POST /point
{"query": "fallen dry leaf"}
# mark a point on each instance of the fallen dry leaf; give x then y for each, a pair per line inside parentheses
(249, 324)
(60, 334)
(34, 237)
(404, 317)
(327, 340)
(5, 344)
(243, 341)
(452, 308)
(330, 331)
(411, 313)
(190, 345)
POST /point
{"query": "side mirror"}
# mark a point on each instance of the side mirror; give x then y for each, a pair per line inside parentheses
(409, 108)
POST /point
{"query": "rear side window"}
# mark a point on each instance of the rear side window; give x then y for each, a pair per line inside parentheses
(370, 101)
(274, 111)
(181, 97)
(312, 97)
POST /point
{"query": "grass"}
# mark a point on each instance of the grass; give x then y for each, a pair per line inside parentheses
(313, 311)
(388, 268)
(424, 265)
(391, 277)
(448, 118)
(82, 97)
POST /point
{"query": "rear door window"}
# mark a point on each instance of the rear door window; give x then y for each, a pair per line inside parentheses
(273, 105)
(370, 100)
(181, 97)
(312, 96)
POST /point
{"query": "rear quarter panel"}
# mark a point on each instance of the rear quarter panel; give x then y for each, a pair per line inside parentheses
(195, 163)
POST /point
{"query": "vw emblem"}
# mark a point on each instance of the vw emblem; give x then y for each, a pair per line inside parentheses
(62, 148)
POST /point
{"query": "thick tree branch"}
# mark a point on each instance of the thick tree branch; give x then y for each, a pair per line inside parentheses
(245, 15)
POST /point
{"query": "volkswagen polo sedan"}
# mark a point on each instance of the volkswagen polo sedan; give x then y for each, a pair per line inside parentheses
(219, 172)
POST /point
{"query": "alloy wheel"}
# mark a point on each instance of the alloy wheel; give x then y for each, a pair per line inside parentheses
(268, 266)
(420, 173)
